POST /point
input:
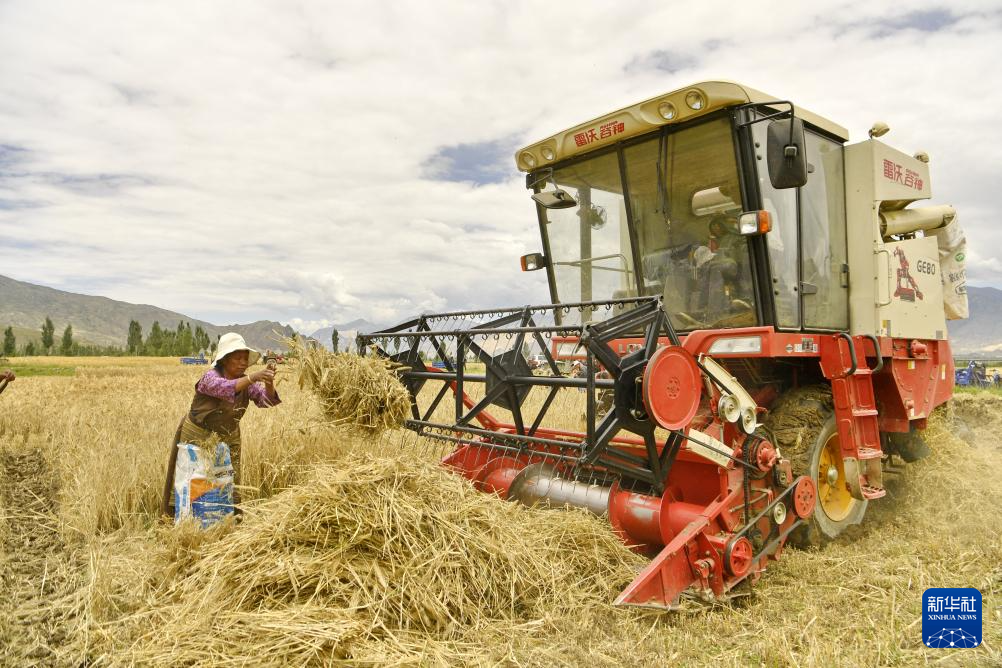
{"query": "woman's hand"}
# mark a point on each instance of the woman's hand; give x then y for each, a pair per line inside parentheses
(265, 375)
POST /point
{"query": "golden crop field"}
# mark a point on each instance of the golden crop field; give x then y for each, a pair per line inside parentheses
(354, 549)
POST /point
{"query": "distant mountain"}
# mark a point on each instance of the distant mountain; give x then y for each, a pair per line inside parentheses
(346, 333)
(981, 332)
(104, 321)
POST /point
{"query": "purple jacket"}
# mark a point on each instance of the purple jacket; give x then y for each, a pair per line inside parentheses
(215, 385)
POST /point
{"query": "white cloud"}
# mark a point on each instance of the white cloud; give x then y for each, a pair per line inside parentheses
(239, 161)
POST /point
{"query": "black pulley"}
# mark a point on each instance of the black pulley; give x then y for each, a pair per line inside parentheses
(500, 369)
(410, 360)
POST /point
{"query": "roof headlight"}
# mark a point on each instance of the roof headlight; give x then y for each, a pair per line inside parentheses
(667, 110)
(528, 159)
(695, 100)
(548, 153)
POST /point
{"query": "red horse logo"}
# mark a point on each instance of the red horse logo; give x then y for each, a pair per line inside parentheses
(908, 289)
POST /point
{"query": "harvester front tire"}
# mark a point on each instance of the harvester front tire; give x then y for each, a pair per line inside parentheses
(802, 422)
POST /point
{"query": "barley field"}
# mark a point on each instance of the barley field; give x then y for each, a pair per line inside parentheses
(356, 549)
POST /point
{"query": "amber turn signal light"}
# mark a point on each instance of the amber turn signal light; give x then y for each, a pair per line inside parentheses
(755, 222)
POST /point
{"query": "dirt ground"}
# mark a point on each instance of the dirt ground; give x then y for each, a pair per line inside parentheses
(37, 572)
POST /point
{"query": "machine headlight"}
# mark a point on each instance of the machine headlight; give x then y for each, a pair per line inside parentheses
(667, 110)
(695, 100)
(548, 153)
(737, 344)
(528, 159)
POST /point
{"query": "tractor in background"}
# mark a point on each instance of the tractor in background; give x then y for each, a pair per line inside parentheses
(973, 375)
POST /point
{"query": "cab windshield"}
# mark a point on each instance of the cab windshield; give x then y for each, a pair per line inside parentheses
(658, 217)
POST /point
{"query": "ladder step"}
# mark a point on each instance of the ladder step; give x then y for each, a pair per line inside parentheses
(864, 412)
(873, 492)
(870, 453)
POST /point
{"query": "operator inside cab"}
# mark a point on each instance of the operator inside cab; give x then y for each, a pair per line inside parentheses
(649, 226)
(703, 272)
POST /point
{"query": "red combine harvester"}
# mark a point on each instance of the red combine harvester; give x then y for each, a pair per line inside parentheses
(719, 263)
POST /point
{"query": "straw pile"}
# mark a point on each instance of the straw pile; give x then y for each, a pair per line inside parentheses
(978, 416)
(362, 391)
(379, 561)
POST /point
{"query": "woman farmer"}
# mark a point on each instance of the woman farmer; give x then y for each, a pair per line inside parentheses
(221, 398)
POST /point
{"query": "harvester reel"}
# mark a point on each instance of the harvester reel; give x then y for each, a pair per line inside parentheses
(602, 448)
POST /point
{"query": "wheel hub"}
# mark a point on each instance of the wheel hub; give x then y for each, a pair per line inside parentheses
(832, 475)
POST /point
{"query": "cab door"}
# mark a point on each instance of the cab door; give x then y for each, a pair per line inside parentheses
(824, 269)
(807, 244)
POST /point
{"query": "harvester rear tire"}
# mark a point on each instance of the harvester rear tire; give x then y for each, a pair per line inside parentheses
(802, 421)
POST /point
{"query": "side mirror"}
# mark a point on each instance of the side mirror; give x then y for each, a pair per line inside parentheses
(786, 153)
(554, 199)
(533, 261)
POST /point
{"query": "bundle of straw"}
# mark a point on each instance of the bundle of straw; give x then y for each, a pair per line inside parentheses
(379, 560)
(363, 391)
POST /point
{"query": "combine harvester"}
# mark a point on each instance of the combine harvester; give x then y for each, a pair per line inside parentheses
(762, 322)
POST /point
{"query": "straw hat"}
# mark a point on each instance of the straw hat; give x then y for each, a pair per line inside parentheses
(231, 342)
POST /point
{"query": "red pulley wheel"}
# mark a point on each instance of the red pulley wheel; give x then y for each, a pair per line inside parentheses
(672, 387)
(738, 556)
(805, 495)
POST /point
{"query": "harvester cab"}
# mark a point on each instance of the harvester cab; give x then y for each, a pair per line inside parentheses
(759, 315)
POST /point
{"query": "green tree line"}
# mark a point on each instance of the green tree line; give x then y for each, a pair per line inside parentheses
(162, 342)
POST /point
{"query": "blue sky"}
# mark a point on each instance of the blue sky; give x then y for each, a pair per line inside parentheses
(301, 162)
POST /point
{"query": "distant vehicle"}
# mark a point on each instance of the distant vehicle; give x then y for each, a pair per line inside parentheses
(974, 375)
(537, 361)
(274, 358)
(195, 360)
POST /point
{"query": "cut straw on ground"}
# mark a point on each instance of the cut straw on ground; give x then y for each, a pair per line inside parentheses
(288, 587)
(377, 560)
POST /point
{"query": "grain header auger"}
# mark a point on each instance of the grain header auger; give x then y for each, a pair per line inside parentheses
(748, 323)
